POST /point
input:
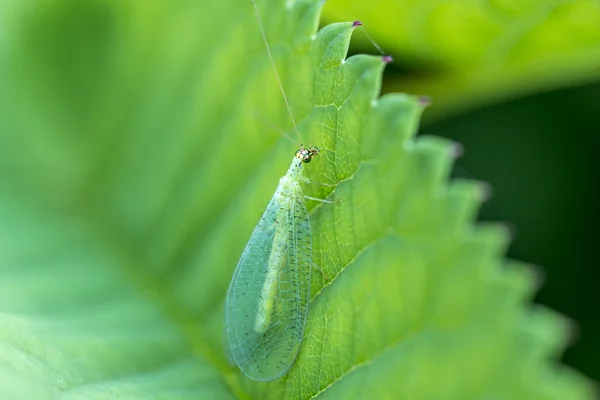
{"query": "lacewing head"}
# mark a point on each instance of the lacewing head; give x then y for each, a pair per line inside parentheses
(306, 155)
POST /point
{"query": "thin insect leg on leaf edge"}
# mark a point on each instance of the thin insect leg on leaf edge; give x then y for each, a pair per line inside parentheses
(326, 276)
(322, 184)
(322, 200)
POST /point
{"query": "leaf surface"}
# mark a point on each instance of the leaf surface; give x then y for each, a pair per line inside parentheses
(135, 159)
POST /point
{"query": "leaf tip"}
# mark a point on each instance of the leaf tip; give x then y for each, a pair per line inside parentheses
(485, 191)
(509, 231)
(536, 276)
(387, 59)
(456, 150)
(356, 24)
(424, 101)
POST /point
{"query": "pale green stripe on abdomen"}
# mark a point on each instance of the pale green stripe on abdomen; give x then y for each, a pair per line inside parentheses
(269, 289)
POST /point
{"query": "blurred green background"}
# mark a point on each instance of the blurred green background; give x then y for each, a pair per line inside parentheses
(539, 153)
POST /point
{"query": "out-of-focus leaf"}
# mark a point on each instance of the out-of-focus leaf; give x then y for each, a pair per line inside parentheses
(467, 52)
(134, 163)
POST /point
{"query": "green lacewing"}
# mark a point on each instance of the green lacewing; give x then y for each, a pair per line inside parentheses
(267, 300)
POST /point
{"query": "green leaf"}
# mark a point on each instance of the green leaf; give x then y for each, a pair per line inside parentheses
(135, 159)
(467, 52)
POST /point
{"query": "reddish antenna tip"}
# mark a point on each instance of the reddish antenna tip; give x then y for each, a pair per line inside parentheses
(387, 59)
(425, 100)
(356, 23)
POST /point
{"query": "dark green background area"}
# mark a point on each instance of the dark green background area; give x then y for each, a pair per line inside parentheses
(540, 155)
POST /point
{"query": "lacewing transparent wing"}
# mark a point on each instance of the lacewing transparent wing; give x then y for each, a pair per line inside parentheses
(267, 301)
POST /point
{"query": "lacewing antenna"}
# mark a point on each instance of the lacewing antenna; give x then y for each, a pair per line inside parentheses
(264, 121)
(264, 37)
(386, 58)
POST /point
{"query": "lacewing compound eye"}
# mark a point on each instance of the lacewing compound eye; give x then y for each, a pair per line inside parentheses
(306, 155)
